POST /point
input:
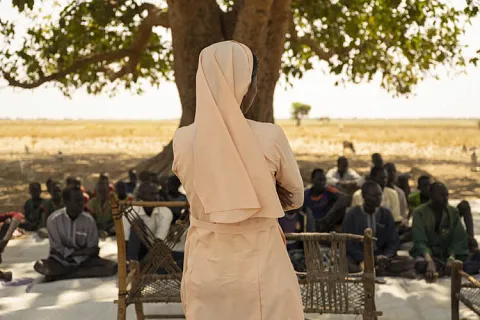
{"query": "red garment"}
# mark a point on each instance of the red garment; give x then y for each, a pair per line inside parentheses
(11, 215)
(86, 198)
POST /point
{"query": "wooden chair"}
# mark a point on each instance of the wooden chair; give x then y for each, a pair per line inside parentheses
(143, 284)
(468, 292)
(326, 286)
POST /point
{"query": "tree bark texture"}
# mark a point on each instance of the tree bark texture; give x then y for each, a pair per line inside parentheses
(196, 24)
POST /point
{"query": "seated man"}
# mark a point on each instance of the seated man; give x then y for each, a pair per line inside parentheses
(327, 204)
(404, 230)
(371, 215)
(389, 197)
(466, 213)
(403, 183)
(10, 220)
(132, 181)
(377, 160)
(154, 178)
(297, 221)
(422, 195)
(439, 237)
(77, 183)
(48, 183)
(32, 208)
(73, 239)
(157, 219)
(402, 198)
(101, 210)
(122, 191)
(143, 176)
(343, 177)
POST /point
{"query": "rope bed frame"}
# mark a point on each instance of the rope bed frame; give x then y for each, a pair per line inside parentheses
(326, 286)
(467, 292)
(142, 284)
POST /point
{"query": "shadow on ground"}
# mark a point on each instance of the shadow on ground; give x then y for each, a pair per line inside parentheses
(18, 170)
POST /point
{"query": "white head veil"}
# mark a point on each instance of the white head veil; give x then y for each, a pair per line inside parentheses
(231, 175)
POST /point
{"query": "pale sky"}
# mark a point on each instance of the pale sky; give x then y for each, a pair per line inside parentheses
(451, 97)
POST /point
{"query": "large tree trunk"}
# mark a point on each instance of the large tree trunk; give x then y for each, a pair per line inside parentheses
(270, 60)
(196, 24)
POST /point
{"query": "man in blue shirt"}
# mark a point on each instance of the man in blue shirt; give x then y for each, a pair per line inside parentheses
(371, 215)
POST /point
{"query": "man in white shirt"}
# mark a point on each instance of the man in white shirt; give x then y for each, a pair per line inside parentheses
(402, 198)
(157, 219)
(342, 176)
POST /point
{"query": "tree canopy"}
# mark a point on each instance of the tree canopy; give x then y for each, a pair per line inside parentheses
(109, 45)
(299, 111)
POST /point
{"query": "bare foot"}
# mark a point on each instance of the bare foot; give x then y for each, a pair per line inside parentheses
(18, 233)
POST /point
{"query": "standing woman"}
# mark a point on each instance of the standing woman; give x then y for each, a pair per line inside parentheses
(239, 176)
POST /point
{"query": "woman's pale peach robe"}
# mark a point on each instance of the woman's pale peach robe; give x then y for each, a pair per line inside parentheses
(236, 264)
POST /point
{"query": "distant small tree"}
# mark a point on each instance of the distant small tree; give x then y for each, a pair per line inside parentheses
(299, 111)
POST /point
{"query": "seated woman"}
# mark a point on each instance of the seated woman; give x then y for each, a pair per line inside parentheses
(157, 219)
(73, 239)
(371, 215)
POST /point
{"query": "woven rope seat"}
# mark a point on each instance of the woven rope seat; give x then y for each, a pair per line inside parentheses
(470, 295)
(157, 278)
(326, 286)
(465, 289)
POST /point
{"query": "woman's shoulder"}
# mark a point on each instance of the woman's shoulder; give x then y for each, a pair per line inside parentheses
(265, 127)
(183, 135)
(183, 132)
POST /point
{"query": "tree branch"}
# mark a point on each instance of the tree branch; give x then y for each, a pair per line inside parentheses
(155, 17)
(107, 57)
(159, 18)
(310, 42)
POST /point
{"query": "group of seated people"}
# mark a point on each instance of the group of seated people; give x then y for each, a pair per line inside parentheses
(74, 220)
(338, 201)
(343, 201)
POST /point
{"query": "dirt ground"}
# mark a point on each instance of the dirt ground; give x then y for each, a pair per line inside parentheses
(29, 150)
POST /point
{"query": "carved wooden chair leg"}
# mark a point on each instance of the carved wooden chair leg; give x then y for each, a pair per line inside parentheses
(135, 267)
(456, 284)
(122, 309)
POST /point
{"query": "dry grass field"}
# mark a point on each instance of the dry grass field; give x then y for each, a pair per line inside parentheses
(90, 147)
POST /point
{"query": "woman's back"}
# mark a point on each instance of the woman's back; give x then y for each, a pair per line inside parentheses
(271, 139)
(229, 167)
